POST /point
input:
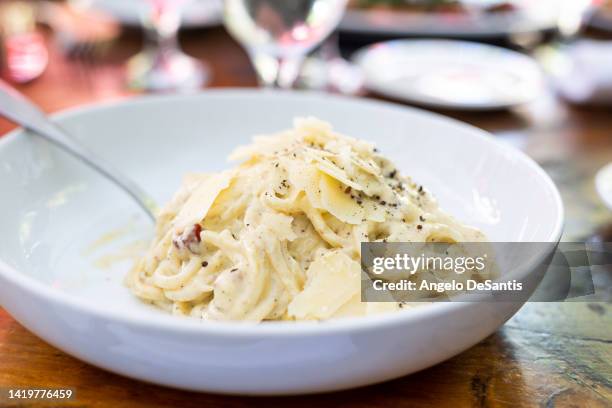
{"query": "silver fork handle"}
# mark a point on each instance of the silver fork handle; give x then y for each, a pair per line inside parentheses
(16, 108)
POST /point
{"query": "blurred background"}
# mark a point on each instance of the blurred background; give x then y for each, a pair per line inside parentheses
(537, 74)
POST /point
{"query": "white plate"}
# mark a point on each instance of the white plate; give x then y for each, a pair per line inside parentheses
(603, 184)
(538, 16)
(195, 14)
(450, 74)
(53, 208)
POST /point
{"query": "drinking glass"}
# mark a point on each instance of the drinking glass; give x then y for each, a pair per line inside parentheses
(161, 65)
(278, 34)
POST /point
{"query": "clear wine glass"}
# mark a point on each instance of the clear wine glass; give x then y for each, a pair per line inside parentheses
(161, 65)
(278, 34)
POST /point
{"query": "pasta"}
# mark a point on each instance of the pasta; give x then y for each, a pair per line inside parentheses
(278, 237)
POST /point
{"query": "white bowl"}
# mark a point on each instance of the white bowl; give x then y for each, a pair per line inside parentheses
(53, 208)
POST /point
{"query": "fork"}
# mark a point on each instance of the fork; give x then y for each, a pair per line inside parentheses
(15, 107)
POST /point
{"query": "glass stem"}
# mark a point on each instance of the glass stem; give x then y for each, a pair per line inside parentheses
(161, 26)
(275, 72)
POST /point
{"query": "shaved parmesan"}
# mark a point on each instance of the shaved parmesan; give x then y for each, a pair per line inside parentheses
(338, 203)
(335, 280)
(202, 198)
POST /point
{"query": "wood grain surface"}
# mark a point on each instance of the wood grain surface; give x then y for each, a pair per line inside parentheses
(548, 355)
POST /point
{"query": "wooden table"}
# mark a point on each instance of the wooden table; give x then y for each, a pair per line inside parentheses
(548, 355)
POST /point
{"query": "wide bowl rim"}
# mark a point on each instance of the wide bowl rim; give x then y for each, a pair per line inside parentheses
(187, 326)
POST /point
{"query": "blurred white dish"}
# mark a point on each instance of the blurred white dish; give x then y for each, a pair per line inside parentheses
(603, 184)
(195, 13)
(534, 17)
(450, 74)
(55, 209)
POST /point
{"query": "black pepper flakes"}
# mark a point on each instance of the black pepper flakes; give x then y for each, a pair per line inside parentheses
(419, 227)
(204, 264)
